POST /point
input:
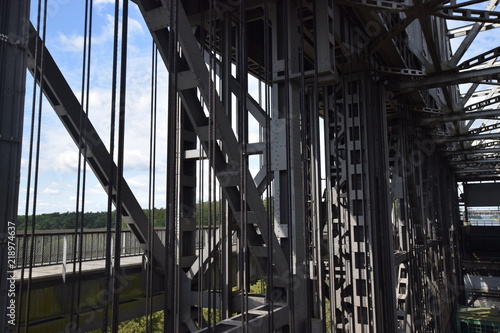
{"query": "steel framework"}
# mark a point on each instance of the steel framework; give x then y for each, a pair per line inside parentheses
(352, 220)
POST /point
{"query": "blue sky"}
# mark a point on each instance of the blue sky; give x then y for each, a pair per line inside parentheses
(58, 158)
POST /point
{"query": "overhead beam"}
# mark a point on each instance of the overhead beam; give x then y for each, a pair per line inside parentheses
(474, 162)
(444, 79)
(481, 58)
(385, 5)
(471, 35)
(472, 137)
(467, 14)
(486, 128)
(465, 30)
(481, 177)
(456, 116)
(489, 171)
(471, 151)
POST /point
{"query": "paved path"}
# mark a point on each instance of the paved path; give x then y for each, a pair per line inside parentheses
(57, 270)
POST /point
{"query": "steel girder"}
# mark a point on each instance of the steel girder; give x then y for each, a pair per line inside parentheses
(363, 266)
(441, 69)
(426, 222)
(445, 79)
(471, 137)
(456, 116)
(13, 40)
(472, 151)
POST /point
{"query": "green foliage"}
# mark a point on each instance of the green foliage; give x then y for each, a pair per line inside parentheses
(97, 220)
(66, 220)
(205, 213)
(138, 325)
(328, 315)
(208, 315)
(259, 287)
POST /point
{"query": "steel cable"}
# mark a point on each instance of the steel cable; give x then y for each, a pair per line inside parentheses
(39, 62)
(82, 159)
(152, 188)
(120, 167)
(112, 174)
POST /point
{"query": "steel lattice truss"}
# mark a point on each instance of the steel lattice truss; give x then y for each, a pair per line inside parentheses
(370, 122)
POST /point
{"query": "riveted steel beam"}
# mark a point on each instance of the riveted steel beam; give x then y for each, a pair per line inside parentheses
(444, 79)
(466, 14)
(472, 137)
(480, 59)
(456, 116)
(484, 151)
(465, 30)
(473, 162)
(482, 171)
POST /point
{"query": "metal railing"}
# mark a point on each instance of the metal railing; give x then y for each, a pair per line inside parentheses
(52, 247)
(485, 223)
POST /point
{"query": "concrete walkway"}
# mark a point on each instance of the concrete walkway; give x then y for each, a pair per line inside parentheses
(87, 266)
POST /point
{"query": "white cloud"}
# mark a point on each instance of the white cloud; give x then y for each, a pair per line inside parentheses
(73, 42)
(49, 190)
(103, 2)
(66, 161)
(53, 188)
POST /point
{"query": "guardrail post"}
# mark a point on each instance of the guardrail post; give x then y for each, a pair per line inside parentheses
(65, 252)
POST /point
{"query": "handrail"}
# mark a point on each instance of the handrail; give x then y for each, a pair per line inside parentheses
(53, 247)
(485, 223)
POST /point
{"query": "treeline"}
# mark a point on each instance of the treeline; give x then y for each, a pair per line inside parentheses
(98, 220)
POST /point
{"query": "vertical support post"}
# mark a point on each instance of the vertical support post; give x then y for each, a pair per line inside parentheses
(364, 270)
(187, 211)
(227, 218)
(287, 164)
(14, 23)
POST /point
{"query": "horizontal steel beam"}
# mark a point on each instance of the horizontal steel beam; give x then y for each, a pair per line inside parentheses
(456, 116)
(463, 31)
(480, 59)
(481, 177)
(486, 128)
(474, 162)
(471, 151)
(444, 79)
(472, 137)
(385, 5)
(479, 171)
(467, 14)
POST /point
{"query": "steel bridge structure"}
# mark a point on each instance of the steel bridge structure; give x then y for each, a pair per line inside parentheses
(368, 121)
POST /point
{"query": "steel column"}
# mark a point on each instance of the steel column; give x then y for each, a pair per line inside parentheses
(287, 164)
(14, 24)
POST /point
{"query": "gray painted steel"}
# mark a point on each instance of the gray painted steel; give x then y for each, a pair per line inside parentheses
(14, 23)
